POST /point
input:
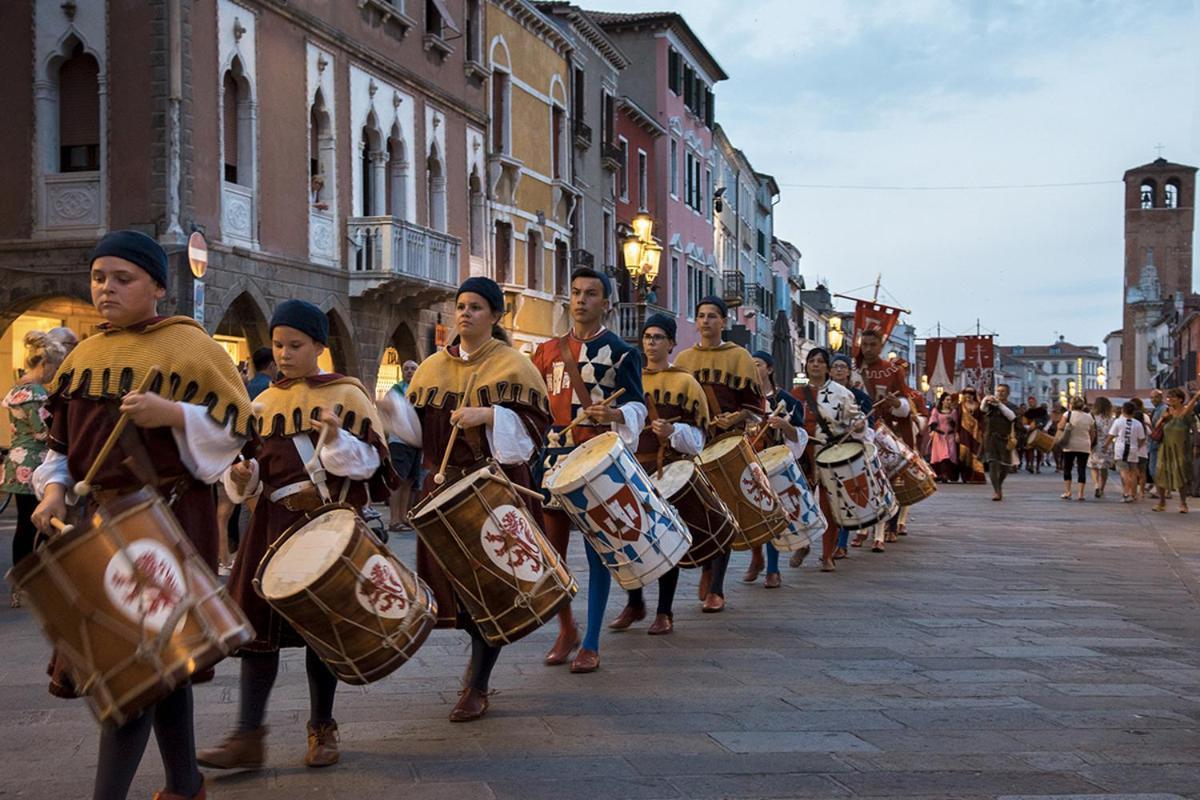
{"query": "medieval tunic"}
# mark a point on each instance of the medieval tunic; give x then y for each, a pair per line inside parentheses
(672, 394)
(357, 455)
(728, 376)
(888, 377)
(506, 381)
(197, 373)
(780, 403)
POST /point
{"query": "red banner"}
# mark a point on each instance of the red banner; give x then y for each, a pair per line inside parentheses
(978, 352)
(939, 361)
(874, 315)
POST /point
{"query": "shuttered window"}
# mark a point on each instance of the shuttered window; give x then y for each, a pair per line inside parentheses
(79, 113)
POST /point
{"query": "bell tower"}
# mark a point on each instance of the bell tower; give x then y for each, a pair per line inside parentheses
(1160, 200)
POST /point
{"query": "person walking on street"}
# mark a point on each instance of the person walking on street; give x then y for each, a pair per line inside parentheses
(943, 448)
(1174, 473)
(1127, 436)
(1101, 459)
(406, 460)
(999, 417)
(1078, 435)
(1157, 409)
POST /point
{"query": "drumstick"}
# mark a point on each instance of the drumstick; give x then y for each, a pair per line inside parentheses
(518, 487)
(778, 411)
(84, 487)
(60, 526)
(556, 436)
(314, 463)
(440, 477)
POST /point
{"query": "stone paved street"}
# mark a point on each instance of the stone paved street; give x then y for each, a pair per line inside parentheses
(1030, 649)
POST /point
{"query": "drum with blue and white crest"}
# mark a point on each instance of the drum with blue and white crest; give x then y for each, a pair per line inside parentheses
(608, 496)
(805, 520)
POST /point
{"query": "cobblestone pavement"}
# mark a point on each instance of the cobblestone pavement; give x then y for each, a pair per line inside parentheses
(1030, 649)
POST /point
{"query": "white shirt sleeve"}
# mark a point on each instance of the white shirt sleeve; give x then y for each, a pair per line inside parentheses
(205, 447)
(53, 469)
(634, 420)
(349, 457)
(904, 409)
(687, 439)
(797, 447)
(1006, 411)
(254, 486)
(507, 437)
(400, 418)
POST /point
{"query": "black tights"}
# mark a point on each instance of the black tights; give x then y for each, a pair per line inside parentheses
(121, 748)
(483, 657)
(23, 537)
(716, 567)
(258, 676)
(666, 593)
(998, 470)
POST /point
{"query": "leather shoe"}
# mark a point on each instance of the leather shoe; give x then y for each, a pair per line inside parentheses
(240, 750)
(877, 547)
(713, 604)
(322, 745)
(564, 645)
(827, 565)
(756, 566)
(858, 540)
(662, 625)
(165, 795)
(890, 536)
(839, 553)
(628, 616)
(586, 661)
(472, 704)
(798, 557)
(773, 581)
(705, 582)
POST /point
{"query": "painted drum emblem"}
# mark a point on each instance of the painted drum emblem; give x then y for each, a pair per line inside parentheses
(145, 583)
(793, 502)
(380, 590)
(756, 488)
(858, 488)
(507, 538)
(620, 514)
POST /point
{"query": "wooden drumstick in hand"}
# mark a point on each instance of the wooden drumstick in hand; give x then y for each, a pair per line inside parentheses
(84, 487)
(314, 463)
(440, 477)
(557, 436)
(61, 526)
(778, 411)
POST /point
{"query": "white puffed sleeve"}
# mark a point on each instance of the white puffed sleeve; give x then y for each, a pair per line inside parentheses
(254, 486)
(349, 457)
(508, 439)
(903, 410)
(687, 439)
(796, 448)
(205, 447)
(634, 420)
(400, 419)
(53, 469)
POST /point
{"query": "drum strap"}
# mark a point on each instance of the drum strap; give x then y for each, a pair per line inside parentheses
(304, 449)
(652, 415)
(810, 399)
(572, 367)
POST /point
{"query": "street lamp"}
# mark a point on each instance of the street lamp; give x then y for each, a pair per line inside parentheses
(642, 253)
(836, 336)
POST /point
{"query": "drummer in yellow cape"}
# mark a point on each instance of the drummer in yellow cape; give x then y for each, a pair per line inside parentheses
(505, 419)
(729, 379)
(678, 417)
(351, 467)
(175, 444)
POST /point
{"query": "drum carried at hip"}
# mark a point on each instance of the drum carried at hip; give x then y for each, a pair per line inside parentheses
(503, 569)
(356, 605)
(1040, 440)
(607, 494)
(805, 519)
(129, 605)
(859, 494)
(708, 519)
(911, 477)
(733, 468)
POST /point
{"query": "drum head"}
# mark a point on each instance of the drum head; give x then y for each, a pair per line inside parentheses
(308, 553)
(675, 476)
(582, 460)
(839, 453)
(451, 494)
(774, 459)
(719, 448)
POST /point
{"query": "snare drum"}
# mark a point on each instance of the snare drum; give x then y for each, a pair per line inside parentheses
(805, 519)
(356, 605)
(912, 479)
(130, 606)
(1041, 441)
(859, 495)
(608, 496)
(505, 573)
(711, 525)
(732, 466)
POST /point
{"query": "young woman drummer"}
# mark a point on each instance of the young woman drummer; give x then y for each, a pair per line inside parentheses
(177, 445)
(505, 418)
(295, 408)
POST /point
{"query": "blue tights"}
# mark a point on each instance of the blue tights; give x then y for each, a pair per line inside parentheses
(599, 583)
(843, 538)
(772, 559)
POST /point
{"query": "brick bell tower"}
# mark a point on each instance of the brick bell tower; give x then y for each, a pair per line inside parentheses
(1160, 200)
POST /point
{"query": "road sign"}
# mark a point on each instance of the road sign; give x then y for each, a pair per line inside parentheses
(198, 254)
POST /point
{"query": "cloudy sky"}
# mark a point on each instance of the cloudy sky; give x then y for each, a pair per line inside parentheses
(934, 93)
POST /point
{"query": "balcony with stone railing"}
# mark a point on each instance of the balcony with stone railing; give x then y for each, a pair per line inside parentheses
(632, 316)
(397, 256)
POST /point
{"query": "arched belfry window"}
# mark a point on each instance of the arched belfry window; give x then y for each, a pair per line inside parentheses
(237, 126)
(372, 163)
(79, 113)
(1147, 192)
(1171, 193)
(436, 190)
(397, 172)
(322, 155)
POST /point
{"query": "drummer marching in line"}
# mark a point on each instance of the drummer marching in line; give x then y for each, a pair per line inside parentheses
(678, 413)
(175, 445)
(319, 439)
(729, 379)
(582, 370)
(497, 399)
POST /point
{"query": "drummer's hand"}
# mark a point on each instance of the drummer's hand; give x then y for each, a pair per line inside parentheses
(239, 475)
(893, 401)
(149, 410)
(53, 506)
(859, 426)
(472, 416)
(781, 424)
(663, 430)
(603, 413)
(726, 421)
(330, 420)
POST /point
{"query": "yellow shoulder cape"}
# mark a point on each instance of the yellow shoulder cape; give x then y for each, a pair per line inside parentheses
(502, 375)
(195, 369)
(727, 363)
(676, 386)
(292, 407)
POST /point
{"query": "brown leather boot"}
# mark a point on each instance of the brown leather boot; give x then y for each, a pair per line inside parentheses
(240, 750)
(586, 661)
(705, 582)
(628, 616)
(472, 704)
(662, 625)
(713, 604)
(798, 557)
(322, 745)
(165, 795)
(568, 639)
(756, 566)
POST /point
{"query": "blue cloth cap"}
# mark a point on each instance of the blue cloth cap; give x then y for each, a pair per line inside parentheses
(486, 288)
(661, 321)
(713, 300)
(765, 357)
(136, 248)
(304, 317)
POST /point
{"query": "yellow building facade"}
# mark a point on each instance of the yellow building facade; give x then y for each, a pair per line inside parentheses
(531, 196)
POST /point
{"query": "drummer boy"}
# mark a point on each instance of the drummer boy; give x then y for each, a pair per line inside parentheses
(300, 411)
(176, 445)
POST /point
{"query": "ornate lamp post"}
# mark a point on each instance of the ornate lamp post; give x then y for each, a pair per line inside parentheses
(836, 337)
(642, 253)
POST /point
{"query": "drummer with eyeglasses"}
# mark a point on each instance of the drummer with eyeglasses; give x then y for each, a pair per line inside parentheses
(678, 417)
(186, 428)
(505, 419)
(301, 409)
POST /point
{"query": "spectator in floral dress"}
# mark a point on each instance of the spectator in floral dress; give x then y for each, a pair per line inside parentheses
(26, 404)
(1101, 460)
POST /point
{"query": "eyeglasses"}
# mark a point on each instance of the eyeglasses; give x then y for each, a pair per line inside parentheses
(653, 337)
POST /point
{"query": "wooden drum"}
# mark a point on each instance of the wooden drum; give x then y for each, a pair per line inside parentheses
(733, 468)
(507, 576)
(711, 525)
(356, 605)
(130, 606)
